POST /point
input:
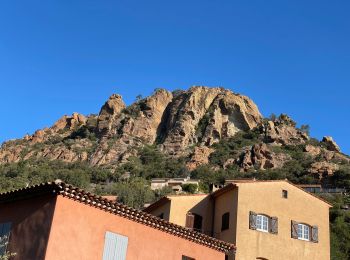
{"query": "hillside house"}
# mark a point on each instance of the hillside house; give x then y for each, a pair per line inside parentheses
(174, 183)
(269, 220)
(56, 221)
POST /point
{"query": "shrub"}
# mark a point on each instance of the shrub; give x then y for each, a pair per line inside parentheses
(190, 187)
(134, 193)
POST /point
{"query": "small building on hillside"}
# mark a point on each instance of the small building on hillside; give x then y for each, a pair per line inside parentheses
(269, 220)
(318, 188)
(56, 221)
(174, 183)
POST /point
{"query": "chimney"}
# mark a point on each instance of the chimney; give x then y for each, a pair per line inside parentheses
(214, 187)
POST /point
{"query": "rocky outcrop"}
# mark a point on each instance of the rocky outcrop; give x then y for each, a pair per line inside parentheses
(259, 156)
(207, 115)
(108, 114)
(69, 122)
(325, 154)
(199, 157)
(147, 117)
(228, 114)
(323, 169)
(313, 150)
(136, 125)
(330, 144)
(283, 131)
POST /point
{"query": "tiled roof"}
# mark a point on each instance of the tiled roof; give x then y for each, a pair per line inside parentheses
(82, 196)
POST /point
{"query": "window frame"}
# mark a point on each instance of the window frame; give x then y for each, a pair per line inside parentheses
(303, 228)
(260, 227)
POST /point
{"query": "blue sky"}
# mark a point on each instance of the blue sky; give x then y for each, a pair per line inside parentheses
(64, 56)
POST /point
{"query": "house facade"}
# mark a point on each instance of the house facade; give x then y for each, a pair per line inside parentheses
(265, 219)
(57, 221)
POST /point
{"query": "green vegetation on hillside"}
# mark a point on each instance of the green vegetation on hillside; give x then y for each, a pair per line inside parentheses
(340, 226)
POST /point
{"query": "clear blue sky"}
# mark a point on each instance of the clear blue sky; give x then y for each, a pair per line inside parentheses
(62, 56)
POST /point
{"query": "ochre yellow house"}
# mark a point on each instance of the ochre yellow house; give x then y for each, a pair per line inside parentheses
(272, 220)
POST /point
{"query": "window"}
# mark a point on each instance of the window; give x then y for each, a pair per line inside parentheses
(303, 232)
(225, 221)
(284, 194)
(4, 236)
(197, 223)
(115, 246)
(262, 223)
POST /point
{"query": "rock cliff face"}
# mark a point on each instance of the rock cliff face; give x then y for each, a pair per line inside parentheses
(185, 123)
(206, 115)
(259, 156)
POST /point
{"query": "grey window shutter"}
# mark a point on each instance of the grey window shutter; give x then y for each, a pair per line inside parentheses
(294, 229)
(252, 220)
(314, 234)
(189, 220)
(115, 246)
(273, 225)
(5, 229)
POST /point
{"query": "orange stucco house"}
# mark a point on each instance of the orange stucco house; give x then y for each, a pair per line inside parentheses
(270, 220)
(57, 221)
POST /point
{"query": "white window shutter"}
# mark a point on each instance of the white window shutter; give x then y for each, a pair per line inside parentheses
(115, 246)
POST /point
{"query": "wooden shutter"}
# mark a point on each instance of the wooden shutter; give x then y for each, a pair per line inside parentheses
(273, 225)
(4, 236)
(252, 220)
(189, 220)
(294, 229)
(314, 234)
(115, 246)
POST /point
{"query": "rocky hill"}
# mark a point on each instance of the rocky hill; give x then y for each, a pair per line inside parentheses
(211, 134)
(174, 121)
(194, 125)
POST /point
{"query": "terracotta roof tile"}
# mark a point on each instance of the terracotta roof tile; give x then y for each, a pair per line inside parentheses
(62, 189)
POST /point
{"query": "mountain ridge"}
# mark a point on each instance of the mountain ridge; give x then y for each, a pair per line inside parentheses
(183, 123)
